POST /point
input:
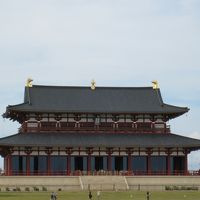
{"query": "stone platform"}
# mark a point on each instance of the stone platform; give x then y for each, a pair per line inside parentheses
(117, 183)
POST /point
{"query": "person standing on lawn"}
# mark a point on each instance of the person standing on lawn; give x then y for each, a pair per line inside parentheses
(90, 195)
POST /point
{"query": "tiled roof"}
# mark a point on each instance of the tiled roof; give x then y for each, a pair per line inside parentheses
(101, 100)
(99, 140)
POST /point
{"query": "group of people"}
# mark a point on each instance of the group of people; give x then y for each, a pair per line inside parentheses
(53, 196)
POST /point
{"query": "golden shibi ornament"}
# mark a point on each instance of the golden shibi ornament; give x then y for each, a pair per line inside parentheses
(155, 84)
(29, 82)
(93, 84)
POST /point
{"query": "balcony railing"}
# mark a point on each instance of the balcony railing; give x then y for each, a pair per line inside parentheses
(91, 127)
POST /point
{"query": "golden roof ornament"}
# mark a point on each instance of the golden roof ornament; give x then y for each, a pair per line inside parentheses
(155, 84)
(93, 85)
(29, 82)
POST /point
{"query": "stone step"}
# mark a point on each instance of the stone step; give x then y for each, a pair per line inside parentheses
(104, 183)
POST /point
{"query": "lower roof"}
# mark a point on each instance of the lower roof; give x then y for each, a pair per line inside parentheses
(99, 140)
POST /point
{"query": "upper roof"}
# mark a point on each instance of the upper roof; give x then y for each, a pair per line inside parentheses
(68, 99)
(81, 139)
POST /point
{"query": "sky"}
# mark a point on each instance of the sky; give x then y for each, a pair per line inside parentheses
(116, 42)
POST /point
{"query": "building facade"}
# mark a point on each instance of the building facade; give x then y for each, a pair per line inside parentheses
(95, 131)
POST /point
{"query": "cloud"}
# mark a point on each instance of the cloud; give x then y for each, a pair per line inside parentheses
(117, 42)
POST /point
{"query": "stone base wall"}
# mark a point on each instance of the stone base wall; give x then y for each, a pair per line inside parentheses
(43, 183)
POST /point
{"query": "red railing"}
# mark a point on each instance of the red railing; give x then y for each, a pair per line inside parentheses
(90, 126)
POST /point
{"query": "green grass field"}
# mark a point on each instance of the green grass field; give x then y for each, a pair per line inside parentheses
(166, 195)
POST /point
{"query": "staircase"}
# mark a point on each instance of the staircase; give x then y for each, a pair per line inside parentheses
(104, 183)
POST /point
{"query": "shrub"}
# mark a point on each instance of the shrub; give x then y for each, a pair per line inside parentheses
(167, 187)
(44, 188)
(7, 189)
(175, 187)
(27, 189)
(59, 189)
(194, 188)
(35, 188)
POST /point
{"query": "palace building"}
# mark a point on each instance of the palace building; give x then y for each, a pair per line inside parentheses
(95, 131)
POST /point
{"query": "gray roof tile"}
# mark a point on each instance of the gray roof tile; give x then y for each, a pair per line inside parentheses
(101, 100)
(99, 140)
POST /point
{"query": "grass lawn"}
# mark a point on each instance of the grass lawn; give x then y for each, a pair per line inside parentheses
(166, 195)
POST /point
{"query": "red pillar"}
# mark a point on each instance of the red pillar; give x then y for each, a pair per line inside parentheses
(68, 164)
(149, 164)
(48, 151)
(6, 165)
(129, 164)
(9, 165)
(153, 126)
(109, 152)
(28, 151)
(109, 162)
(49, 164)
(165, 127)
(129, 151)
(149, 152)
(168, 165)
(89, 151)
(186, 162)
(69, 152)
(168, 161)
(26, 123)
(89, 164)
(28, 165)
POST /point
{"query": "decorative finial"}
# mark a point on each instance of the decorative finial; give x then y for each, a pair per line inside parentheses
(93, 84)
(155, 84)
(29, 82)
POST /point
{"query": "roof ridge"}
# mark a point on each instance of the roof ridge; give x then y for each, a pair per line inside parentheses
(84, 87)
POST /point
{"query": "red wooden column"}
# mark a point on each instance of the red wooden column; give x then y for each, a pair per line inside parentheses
(68, 164)
(28, 165)
(5, 165)
(9, 165)
(168, 161)
(186, 151)
(152, 124)
(69, 152)
(129, 151)
(48, 151)
(8, 158)
(24, 126)
(109, 151)
(28, 151)
(49, 164)
(165, 119)
(149, 152)
(89, 151)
